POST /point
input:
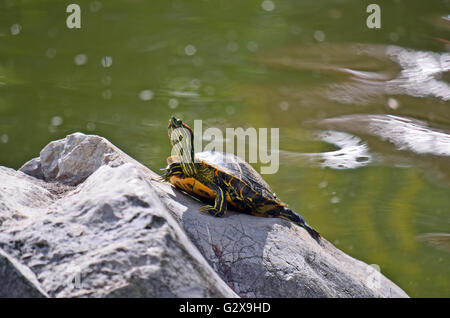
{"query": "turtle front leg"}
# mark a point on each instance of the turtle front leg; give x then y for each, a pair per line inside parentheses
(220, 204)
(173, 169)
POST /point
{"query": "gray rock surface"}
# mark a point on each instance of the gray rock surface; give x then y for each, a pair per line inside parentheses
(17, 280)
(108, 236)
(262, 257)
(88, 220)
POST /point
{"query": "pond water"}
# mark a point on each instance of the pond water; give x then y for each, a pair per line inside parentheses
(363, 114)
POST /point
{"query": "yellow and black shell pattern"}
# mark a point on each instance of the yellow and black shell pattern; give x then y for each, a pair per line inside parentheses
(245, 188)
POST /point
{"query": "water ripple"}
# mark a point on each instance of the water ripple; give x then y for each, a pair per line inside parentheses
(419, 76)
(352, 153)
(405, 133)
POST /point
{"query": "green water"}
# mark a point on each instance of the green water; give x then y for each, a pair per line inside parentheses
(248, 64)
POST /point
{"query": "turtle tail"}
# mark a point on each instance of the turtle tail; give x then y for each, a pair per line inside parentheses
(297, 219)
(314, 234)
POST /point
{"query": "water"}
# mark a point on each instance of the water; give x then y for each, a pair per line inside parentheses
(364, 115)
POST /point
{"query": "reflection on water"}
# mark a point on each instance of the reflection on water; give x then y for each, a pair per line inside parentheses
(438, 240)
(372, 70)
(363, 114)
(420, 73)
(352, 152)
(419, 76)
(404, 133)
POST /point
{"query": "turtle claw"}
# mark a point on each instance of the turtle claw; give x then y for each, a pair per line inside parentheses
(165, 176)
(210, 209)
(162, 178)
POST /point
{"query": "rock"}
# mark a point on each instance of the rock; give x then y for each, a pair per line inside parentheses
(261, 257)
(73, 159)
(17, 280)
(92, 221)
(110, 236)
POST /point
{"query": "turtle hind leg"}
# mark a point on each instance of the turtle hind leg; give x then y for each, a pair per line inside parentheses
(288, 214)
(220, 204)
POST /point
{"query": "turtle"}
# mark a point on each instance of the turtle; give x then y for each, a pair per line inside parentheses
(224, 179)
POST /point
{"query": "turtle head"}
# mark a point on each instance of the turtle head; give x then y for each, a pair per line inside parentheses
(182, 141)
(175, 123)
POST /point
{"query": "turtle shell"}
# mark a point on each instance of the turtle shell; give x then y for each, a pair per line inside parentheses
(230, 165)
(239, 169)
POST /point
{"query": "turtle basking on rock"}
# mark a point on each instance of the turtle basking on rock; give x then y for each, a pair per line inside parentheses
(223, 178)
